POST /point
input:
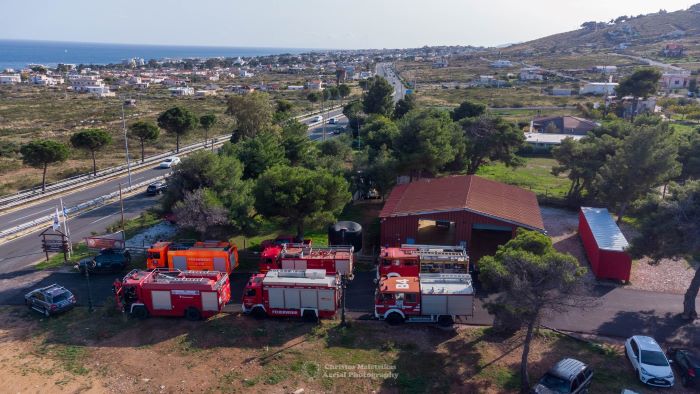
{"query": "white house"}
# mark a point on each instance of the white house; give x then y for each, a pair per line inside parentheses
(295, 87)
(605, 69)
(502, 64)
(44, 80)
(315, 85)
(99, 91)
(204, 93)
(675, 80)
(10, 79)
(530, 74)
(543, 142)
(181, 91)
(599, 88)
(87, 83)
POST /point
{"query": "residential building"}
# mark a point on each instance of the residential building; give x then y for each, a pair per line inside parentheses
(605, 69)
(501, 64)
(675, 80)
(85, 83)
(599, 88)
(563, 125)
(204, 93)
(544, 142)
(440, 63)
(465, 209)
(181, 91)
(673, 50)
(44, 80)
(98, 91)
(295, 87)
(10, 79)
(315, 85)
(531, 74)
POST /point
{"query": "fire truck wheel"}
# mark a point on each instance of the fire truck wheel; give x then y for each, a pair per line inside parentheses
(258, 313)
(192, 314)
(394, 319)
(140, 312)
(445, 321)
(310, 316)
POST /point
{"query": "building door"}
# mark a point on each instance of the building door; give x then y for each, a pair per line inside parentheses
(435, 232)
(485, 240)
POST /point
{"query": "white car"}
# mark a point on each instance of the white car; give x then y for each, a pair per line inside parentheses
(649, 361)
(169, 162)
(318, 118)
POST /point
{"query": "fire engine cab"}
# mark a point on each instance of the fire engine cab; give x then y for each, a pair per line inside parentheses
(189, 255)
(334, 259)
(310, 294)
(411, 260)
(192, 294)
(434, 298)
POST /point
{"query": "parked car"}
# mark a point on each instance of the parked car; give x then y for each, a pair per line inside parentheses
(687, 365)
(566, 376)
(649, 361)
(108, 261)
(156, 188)
(169, 162)
(50, 300)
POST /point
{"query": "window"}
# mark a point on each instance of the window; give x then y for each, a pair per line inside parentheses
(635, 349)
(399, 296)
(61, 297)
(653, 357)
(154, 255)
(577, 382)
(387, 297)
(555, 383)
(39, 296)
(250, 293)
(412, 297)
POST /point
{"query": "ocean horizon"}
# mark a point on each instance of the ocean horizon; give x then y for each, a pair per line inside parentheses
(17, 54)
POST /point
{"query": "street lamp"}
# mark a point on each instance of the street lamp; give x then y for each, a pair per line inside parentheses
(88, 266)
(126, 146)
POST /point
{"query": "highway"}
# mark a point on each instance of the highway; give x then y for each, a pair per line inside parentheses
(21, 253)
(386, 70)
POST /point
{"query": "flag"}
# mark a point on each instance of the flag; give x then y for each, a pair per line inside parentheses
(65, 211)
(56, 223)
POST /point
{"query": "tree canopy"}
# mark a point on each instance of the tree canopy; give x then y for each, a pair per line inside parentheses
(144, 131)
(200, 210)
(354, 112)
(91, 140)
(642, 83)
(379, 98)
(300, 196)
(298, 148)
(404, 106)
(379, 131)
(252, 112)
(259, 153)
(532, 278)
(178, 121)
(488, 139)
(468, 109)
(41, 153)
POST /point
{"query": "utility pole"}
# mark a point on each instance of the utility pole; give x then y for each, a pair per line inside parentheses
(323, 119)
(121, 203)
(126, 146)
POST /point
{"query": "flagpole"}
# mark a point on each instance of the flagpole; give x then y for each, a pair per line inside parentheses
(65, 225)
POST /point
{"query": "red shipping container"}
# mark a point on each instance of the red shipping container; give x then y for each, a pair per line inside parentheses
(605, 244)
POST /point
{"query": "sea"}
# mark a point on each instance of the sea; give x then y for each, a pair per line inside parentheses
(17, 54)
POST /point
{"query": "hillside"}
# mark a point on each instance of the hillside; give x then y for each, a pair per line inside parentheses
(633, 31)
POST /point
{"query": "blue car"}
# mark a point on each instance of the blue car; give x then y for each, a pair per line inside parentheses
(50, 300)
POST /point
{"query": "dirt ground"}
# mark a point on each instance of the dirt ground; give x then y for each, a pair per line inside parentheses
(666, 276)
(102, 352)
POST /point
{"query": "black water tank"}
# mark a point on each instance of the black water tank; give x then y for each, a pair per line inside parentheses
(345, 233)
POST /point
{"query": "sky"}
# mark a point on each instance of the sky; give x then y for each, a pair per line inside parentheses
(311, 23)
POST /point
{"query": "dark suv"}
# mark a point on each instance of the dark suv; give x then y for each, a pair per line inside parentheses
(109, 260)
(687, 364)
(566, 376)
(156, 188)
(50, 299)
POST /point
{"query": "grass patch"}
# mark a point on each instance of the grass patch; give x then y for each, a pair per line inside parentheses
(535, 175)
(80, 251)
(137, 224)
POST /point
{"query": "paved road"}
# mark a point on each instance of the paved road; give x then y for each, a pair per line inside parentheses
(617, 312)
(650, 62)
(386, 70)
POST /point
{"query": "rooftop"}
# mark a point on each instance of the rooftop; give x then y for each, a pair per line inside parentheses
(605, 231)
(466, 193)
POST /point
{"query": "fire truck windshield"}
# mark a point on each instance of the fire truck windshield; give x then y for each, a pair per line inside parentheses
(153, 255)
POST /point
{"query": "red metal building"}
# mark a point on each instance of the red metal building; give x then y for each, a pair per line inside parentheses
(605, 244)
(463, 209)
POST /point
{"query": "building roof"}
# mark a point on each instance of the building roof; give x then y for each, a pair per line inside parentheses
(548, 138)
(465, 193)
(566, 124)
(605, 231)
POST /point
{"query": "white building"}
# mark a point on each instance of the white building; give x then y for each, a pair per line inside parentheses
(315, 85)
(295, 87)
(502, 64)
(44, 80)
(605, 69)
(675, 80)
(543, 142)
(204, 93)
(87, 83)
(99, 91)
(599, 88)
(530, 74)
(181, 91)
(10, 79)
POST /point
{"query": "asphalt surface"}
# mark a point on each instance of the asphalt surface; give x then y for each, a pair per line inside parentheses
(385, 70)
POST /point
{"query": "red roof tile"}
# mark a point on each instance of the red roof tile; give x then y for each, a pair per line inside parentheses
(466, 192)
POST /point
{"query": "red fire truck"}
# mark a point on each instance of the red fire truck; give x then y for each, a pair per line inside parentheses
(440, 298)
(334, 260)
(189, 255)
(309, 293)
(411, 260)
(192, 294)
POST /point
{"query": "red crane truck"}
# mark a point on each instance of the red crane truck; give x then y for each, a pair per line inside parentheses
(192, 294)
(309, 293)
(190, 255)
(334, 260)
(433, 298)
(411, 260)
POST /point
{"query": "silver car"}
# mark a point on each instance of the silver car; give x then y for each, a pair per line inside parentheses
(50, 300)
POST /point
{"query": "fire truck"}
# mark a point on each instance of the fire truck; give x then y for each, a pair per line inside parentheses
(192, 294)
(189, 255)
(432, 298)
(411, 260)
(310, 294)
(334, 260)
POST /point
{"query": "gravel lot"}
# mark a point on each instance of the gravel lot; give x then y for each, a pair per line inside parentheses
(666, 276)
